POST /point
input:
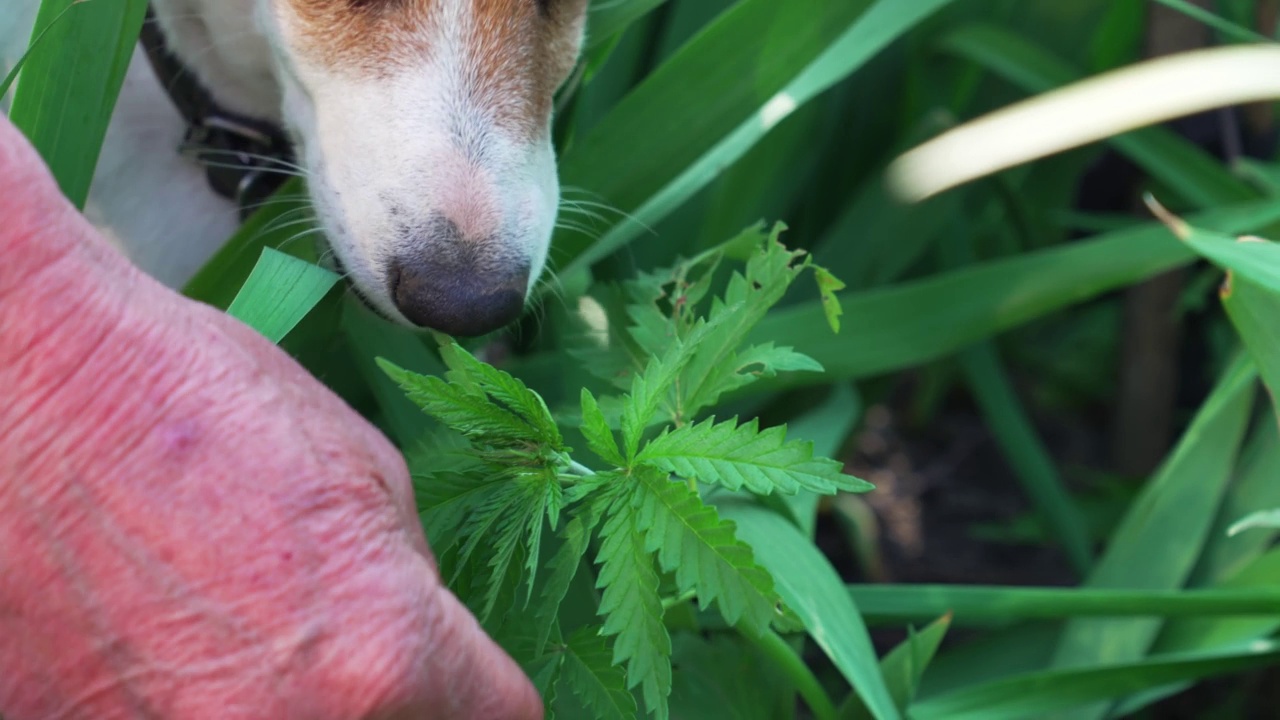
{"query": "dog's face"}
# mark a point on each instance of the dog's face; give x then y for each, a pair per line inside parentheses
(425, 128)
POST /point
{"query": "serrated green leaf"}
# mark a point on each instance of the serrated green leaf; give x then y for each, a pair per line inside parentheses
(504, 519)
(549, 500)
(504, 388)
(589, 670)
(650, 388)
(498, 524)
(595, 428)
(445, 499)
(545, 673)
(542, 669)
(562, 568)
(701, 549)
(737, 456)
(747, 299)
(473, 416)
(828, 286)
(767, 360)
(763, 361)
(632, 607)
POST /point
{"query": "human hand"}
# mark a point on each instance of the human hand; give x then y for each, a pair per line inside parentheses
(190, 525)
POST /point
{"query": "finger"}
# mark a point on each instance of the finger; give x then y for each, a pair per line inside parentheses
(468, 676)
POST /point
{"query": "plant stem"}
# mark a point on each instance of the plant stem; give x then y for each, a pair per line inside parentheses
(578, 468)
(668, 603)
(786, 659)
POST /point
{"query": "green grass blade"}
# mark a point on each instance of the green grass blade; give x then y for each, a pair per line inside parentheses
(901, 326)
(1253, 259)
(70, 81)
(1254, 488)
(280, 291)
(903, 668)
(1026, 454)
(1255, 312)
(1043, 694)
(810, 587)
(38, 36)
(1217, 22)
(1210, 633)
(721, 94)
(1000, 653)
(1161, 537)
(985, 605)
(272, 226)
(610, 17)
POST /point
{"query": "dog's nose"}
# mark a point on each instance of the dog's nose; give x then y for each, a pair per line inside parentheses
(457, 297)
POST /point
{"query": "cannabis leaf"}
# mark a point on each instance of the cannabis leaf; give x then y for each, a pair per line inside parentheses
(650, 388)
(693, 542)
(489, 491)
(737, 456)
(588, 669)
(595, 428)
(631, 604)
(563, 566)
(747, 300)
(467, 371)
(763, 361)
(471, 414)
(445, 499)
(498, 525)
(828, 286)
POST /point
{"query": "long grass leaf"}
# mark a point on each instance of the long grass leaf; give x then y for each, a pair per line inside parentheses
(897, 327)
(1161, 536)
(69, 84)
(986, 605)
(810, 587)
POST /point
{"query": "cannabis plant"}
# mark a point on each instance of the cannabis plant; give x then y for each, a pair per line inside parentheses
(500, 476)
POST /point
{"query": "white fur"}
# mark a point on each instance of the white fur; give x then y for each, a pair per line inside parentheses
(381, 151)
(374, 143)
(154, 203)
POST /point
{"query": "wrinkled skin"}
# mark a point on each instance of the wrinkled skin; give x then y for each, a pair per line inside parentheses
(190, 525)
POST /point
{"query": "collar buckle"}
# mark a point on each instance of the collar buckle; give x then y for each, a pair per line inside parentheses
(245, 159)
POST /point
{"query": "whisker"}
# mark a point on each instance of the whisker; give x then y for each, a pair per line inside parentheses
(277, 200)
(302, 171)
(276, 226)
(269, 170)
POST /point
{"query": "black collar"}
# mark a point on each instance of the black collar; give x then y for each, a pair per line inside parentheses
(246, 159)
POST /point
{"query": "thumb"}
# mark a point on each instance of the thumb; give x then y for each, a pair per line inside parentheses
(467, 676)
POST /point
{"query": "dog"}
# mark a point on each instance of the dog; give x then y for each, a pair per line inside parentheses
(422, 127)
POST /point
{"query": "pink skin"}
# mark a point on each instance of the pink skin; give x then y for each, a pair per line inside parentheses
(191, 526)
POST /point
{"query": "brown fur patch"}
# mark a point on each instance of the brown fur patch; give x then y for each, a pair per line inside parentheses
(517, 52)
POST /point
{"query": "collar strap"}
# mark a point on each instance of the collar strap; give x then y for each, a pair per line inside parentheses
(246, 160)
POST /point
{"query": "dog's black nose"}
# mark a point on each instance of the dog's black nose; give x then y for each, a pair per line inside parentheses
(455, 295)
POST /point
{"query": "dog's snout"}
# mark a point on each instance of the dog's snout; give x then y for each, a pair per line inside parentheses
(456, 296)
